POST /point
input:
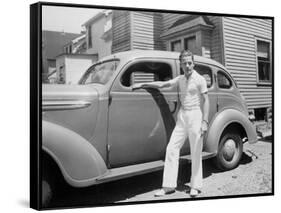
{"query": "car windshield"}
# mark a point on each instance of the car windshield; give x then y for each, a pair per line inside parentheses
(100, 73)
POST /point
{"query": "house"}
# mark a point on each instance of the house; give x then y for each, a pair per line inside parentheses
(242, 45)
(52, 45)
(70, 67)
(99, 34)
(76, 45)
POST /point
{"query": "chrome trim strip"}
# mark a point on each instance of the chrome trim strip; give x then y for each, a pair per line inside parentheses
(64, 105)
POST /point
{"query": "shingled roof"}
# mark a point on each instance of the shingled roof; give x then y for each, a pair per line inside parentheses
(54, 41)
(188, 23)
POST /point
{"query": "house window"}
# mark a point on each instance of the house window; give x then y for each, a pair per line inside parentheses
(264, 61)
(190, 44)
(89, 37)
(61, 75)
(176, 46)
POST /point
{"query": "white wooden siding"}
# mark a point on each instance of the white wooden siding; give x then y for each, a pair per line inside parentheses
(240, 57)
(146, 30)
(216, 43)
(121, 31)
(206, 44)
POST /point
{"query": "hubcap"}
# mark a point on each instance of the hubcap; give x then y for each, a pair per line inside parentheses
(229, 149)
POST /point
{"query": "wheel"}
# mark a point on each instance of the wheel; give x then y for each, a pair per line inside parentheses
(229, 151)
(47, 193)
(48, 185)
(53, 184)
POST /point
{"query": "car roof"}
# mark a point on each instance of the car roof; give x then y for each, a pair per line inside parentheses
(134, 54)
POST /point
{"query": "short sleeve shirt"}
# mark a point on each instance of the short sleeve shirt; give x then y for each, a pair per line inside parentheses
(190, 90)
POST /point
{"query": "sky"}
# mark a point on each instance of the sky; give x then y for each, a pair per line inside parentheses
(67, 19)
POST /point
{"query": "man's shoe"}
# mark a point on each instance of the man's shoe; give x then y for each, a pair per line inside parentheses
(164, 191)
(194, 192)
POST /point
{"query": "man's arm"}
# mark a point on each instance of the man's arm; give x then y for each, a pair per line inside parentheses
(206, 106)
(155, 84)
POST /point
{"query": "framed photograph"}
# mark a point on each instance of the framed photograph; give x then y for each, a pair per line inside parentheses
(138, 105)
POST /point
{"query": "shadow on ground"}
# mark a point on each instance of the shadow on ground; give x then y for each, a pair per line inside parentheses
(267, 139)
(122, 190)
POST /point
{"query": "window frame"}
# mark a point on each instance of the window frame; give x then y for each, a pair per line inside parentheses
(211, 73)
(262, 82)
(144, 61)
(174, 41)
(185, 44)
(232, 82)
(85, 76)
(182, 40)
(119, 87)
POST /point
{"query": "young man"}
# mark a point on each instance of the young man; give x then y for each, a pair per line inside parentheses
(190, 123)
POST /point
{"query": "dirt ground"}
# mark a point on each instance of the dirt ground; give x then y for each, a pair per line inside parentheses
(252, 176)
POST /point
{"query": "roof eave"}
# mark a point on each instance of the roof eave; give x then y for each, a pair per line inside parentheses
(184, 30)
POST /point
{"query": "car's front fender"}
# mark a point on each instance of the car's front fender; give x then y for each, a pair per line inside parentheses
(222, 120)
(78, 160)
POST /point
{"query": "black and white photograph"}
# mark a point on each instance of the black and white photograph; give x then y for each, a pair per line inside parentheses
(140, 105)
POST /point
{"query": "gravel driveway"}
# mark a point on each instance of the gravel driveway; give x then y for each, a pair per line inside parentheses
(252, 176)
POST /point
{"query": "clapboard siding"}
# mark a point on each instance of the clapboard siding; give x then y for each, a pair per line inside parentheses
(216, 44)
(158, 29)
(121, 28)
(240, 57)
(206, 42)
(142, 30)
(146, 30)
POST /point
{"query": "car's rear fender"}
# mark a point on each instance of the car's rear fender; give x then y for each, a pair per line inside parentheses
(78, 160)
(231, 120)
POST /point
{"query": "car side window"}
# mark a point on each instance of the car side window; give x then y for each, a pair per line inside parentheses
(224, 81)
(143, 72)
(206, 72)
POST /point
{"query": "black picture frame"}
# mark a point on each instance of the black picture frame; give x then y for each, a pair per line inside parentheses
(36, 110)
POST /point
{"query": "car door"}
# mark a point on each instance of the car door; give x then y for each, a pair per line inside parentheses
(141, 121)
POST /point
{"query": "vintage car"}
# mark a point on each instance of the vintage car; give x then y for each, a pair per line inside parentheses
(102, 130)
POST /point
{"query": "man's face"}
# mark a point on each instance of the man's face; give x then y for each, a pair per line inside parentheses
(187, 64)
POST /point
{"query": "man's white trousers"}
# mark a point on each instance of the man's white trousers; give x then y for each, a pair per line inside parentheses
(188, 125)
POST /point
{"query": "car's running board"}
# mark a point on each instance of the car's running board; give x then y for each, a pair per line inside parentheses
(205, 155)
(128, 171)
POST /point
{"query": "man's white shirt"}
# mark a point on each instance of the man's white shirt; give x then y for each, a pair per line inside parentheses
(190, 89)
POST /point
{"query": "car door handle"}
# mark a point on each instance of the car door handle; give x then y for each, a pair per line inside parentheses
(173, 105)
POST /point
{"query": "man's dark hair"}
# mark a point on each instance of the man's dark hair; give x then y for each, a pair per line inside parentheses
(185, 53)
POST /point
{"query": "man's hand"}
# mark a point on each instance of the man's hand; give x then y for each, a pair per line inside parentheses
(204, 127)
(137, 86)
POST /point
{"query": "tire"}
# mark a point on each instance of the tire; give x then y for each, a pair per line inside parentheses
(53, 184)
(229, 151)
(47, 193)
